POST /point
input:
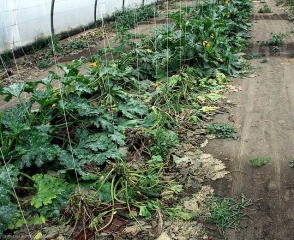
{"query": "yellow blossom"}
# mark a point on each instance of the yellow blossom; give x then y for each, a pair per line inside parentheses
(226, 1)
(228, 15)
(206, 44)
(53, 106)
(149, 51)
(211, 36)
(57, 92)
(94, 64)
(221, 60)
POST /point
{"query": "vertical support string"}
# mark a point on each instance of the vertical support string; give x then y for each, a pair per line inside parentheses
(13, 189)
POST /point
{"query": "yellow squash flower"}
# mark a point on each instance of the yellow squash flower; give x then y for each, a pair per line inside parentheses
(221, 60)
(206, 44)
(94, 64)
(228, 15)
(211, 36)
(226, 1)
(57, 92)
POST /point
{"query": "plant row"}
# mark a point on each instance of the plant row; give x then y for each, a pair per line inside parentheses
(64, 147)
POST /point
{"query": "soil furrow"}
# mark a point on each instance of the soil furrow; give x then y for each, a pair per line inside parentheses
(264, 117)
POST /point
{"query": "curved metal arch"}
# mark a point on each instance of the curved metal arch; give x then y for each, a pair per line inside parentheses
(52, 17)
(95, 12)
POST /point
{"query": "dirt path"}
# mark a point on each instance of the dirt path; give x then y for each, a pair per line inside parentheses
(264, 117)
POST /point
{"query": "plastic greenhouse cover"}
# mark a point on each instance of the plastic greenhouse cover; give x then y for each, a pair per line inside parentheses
(23, 22)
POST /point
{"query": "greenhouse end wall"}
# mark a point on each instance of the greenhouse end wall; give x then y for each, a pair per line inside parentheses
(24, 22)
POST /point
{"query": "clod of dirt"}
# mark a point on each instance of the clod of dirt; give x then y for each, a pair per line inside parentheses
(163, 236)
(197, 202)
(211, 167)
(182, 230)
(136, 228)
(201, 166)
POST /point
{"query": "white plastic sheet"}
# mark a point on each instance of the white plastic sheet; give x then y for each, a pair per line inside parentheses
(105, 8)
(22, 22)
(72, 14)
(133, 3)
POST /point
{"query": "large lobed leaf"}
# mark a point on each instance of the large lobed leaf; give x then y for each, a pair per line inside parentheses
(8, 176)
(91, 147)
(7, 215)
(48, 188)
(35, 148)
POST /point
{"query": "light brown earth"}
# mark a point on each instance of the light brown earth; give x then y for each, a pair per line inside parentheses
(264, 117)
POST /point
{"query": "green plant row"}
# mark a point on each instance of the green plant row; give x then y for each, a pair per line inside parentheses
(78, 130)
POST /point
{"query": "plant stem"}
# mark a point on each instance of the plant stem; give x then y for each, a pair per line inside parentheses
(27, 176)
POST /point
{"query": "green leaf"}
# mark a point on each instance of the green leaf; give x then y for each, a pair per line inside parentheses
(8, 176)
(15, 114)
(4, 195)
(16, 128)
(67, 160)
(83, 88)
(90, 147)
(221, 78)
(177, 188)
(48, 188)
(179, 213)
(89, 176)
(52, 211)
(71, 69)
(130, 108)
(14, 89)
(95, 142)
(104, 121)
(47, 80)
(37, 220)
(35, 148)
(104, 191)
(18, 222)
(213, 96)
(44, 97)
(149, 120)
(173, 81)
(144, 212)
(7, 215)
(118, 138)
(45, 128)
(125, 123)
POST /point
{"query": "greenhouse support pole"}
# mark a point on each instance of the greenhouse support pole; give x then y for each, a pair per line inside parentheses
(143, 2)
(52, 17)
(95, 13)
(123, 5)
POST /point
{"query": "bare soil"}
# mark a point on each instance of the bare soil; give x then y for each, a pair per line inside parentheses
(264, 118)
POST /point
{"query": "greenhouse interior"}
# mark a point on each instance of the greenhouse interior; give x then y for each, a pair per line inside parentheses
(146, 119)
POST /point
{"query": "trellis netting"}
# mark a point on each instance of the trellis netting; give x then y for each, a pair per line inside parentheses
(24, 22)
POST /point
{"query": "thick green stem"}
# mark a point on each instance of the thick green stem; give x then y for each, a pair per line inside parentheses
(27, 176)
